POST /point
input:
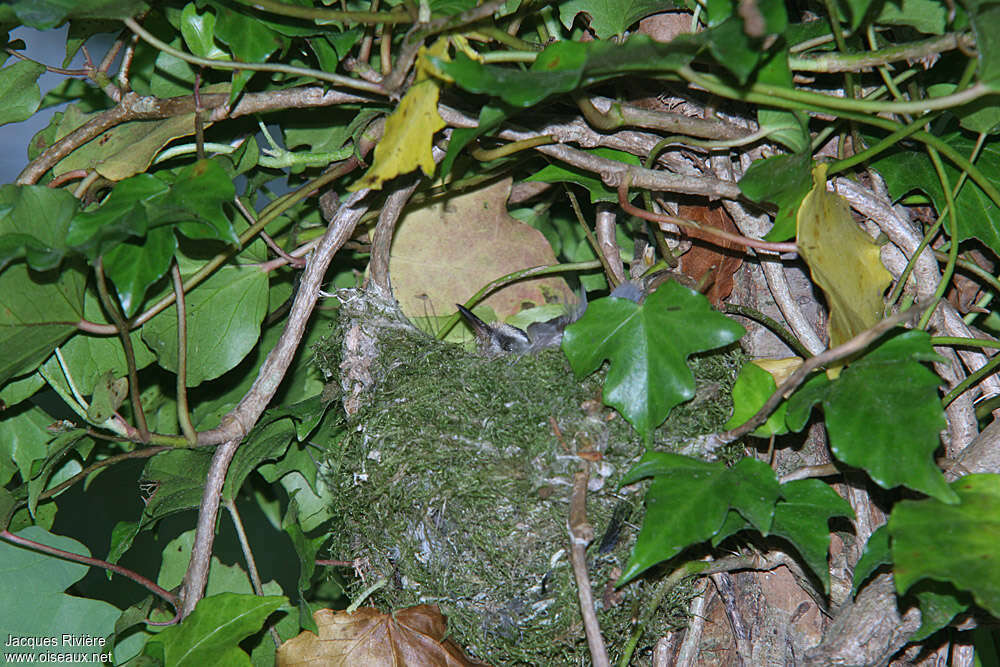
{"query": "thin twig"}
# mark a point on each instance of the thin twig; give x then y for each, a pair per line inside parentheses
(183, 415)
(241, 534)
(581, 534)
(607, 241)
(122, 327)
(851, 347)
(392, 209)
(93, 562)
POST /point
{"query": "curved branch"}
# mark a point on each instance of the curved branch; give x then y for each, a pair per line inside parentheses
(241, 419)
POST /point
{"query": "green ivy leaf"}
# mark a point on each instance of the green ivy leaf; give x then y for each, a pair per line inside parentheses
(31, 576)
(224, 315)
(177, 479)
(565, 66)
(985, 18)
(195, 202)
(883, 414)
(927, 16)
(264, 443)
(978, 217)
(563, 173)
(608, 18)
(37, 313)
(801, 518)
(790, 128)
(876, 554)
(250, 40)
(199, 33)
(951, 542)
(46, 14)
(19, 91)
(21, 208)
(688, 502)
(783, 180)
(490, 117)
(211, 635)
(23, 439)
(752, 389)
(648, 346)
(305, 547)
(124, 213)
(133, 266)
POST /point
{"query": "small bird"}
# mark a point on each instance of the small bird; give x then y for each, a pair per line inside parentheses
(497, 338)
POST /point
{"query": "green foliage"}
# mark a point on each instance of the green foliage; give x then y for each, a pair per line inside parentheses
(208, 157)
(648, 346)
(883, 415)
(920, 528)
(688, 501)
(33, 600)
(213, 632)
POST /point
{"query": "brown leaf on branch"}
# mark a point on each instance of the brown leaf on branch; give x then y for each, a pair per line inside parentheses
(710, 258)
(370, 638)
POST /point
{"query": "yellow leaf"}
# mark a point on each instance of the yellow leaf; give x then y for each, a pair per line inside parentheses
(409, 131)
(780, 369)
(843, 261)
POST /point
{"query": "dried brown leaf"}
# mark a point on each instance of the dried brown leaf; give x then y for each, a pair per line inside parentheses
(370, 638)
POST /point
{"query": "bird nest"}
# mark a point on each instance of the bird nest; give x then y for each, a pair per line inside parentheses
(453, 483)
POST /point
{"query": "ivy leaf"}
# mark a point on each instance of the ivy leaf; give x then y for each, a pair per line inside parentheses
(978, 217)
(133, 266)
(562, 173)
(250, 40)
(21, 208)
(178, 479)
(608, 18)
(953, 542)
(224, 315)
(37, 311)
(19, 91)
(29, 575)
(801, 518)
(688, 502)
(124, 213)
(876, 555)
(783, 180)
(199, 33)
(843, 261)
(883, 414)
(409, 131)
(566, 65)
(263, 443)
(211, 635)
(490, 117)
(195, 202)
(752, 389)
(46, 14)
(648, 346)
(985, 18)
(790, 128)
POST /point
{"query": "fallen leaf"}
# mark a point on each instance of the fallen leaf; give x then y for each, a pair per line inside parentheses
(370, 638)
(444, 253)
(842, 259)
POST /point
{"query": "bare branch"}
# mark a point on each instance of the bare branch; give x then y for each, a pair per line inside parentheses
(238, 423)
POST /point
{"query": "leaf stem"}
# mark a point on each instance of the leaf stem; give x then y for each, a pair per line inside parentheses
(336, 79)
(183, 415)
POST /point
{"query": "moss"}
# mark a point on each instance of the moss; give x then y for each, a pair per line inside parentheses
(453, 487)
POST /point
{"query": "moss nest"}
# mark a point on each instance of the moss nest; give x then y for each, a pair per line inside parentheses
(453, 487)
